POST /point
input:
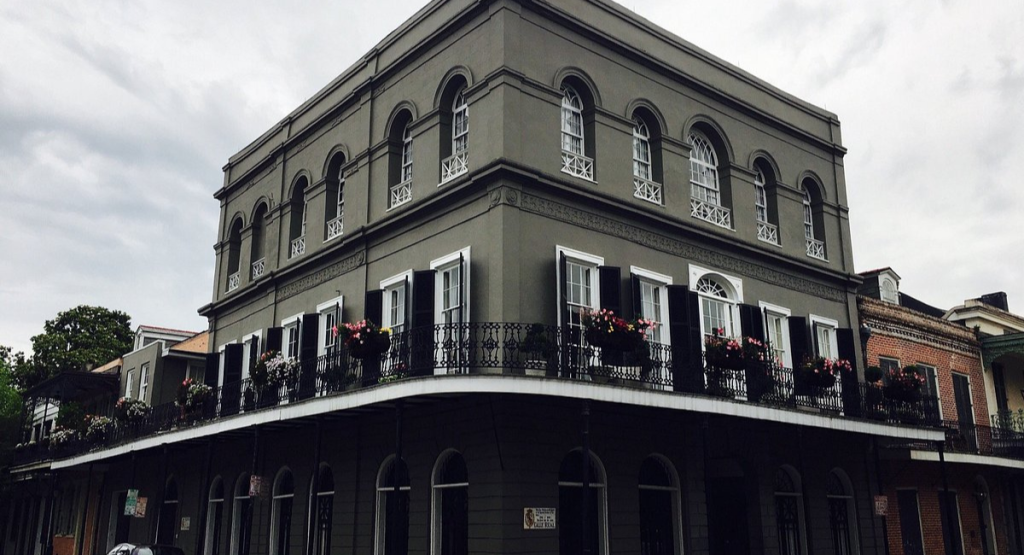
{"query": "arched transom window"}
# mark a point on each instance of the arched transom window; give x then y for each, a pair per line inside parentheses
(717, 308)
(572, 121)
(703, 170)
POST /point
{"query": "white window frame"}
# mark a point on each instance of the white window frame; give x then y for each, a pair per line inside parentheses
(380, 505)
(327, 310)
(771, 310)
(581, 258)
(220, 359)
(436, 491)
(600, 483)
(246, 341)
(276, 500)
(211, 500)
(290, 323)
(642, 166)
(938, 395)
(388, 285)
(890, 296)
(446, 262)
(407, 154)
(808, 215)
(460, 113)
(661, 282)
(143, 381)
(760, 197)
(572, 115)
(128, 379)
(831, 325)
(696, 273)
(709, 190)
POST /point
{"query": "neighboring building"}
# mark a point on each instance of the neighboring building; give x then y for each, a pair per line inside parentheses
(486, 173)
(981, 466)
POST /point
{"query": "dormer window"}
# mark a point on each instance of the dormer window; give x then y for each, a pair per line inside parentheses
(888, 291)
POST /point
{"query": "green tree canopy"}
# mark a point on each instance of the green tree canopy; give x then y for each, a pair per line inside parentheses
(76, 340)
(10, 404)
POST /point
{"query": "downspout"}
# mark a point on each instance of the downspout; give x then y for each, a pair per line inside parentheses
(881, 491)
(79, 537)
(947, 531)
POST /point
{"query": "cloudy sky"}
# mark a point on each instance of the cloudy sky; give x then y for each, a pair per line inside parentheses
(116, 118)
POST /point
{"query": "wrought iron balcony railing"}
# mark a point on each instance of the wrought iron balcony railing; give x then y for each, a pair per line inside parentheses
(816, 249)
(647, 190)
(577, 165)
(545, 352)
(975, 439)
(768, 233)
(454, 166)
(711, 213)
(258, 268)
(335, 227)
(298, 247)
(233, 281)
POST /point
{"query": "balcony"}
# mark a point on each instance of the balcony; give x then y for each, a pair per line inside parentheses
(974, 439)
(258, 268)
(335, 227)
(454, 166)
(545, 353)
(298, 247)
(400, 194)
(577, 165)
(647, 190)
(816, 249)
(767, 233)
(711, 213)
(233, 281)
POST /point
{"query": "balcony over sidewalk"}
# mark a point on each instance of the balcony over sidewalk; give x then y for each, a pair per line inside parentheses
(541, 354)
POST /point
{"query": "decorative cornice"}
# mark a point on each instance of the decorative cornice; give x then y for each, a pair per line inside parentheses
(312, 280)
(640, 236)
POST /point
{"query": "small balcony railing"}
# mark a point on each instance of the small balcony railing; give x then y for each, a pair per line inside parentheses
(258, 268)
(454, 166)
(577, 165)
(768, 233)
(335, 227)
(298, 247)
(400, 194)
(647, 190)
(543, 352)
(816, 249)
(711, 213)
(233, 281)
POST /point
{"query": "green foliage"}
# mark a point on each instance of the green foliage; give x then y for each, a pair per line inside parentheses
(71, 416)
(10, 404)
(76, 340)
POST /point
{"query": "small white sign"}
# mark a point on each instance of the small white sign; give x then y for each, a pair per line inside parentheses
(535, 518)
(130, 501)
(255, 485)
(140, 507)
(881, 505)
(186, 523)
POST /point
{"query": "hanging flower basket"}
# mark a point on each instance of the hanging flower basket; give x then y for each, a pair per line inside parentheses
(604, 330)
(192, 396)
(905, 385)
(364, 339)
(820, 372)
(723, 353)
(131, 411)
(273, 370)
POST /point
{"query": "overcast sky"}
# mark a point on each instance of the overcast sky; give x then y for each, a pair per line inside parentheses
(116, 118)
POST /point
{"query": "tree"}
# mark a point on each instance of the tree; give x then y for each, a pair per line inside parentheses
(10, 404)
(76, 340)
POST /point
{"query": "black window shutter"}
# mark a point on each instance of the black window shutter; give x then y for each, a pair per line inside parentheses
(275, 337)
(307, 340)
(684, 329)
(798, 338)
(422, 334)
(611, 288)
(212, 371)
(374, 306)
(751, 321)
(845, 344)
(254, 353)
(563, 287)
(232, 363)
(634, 287)
(816, 347)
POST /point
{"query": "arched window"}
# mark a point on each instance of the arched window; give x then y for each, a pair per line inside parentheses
(705, 188)
(574, 130)
(393, 508)
(241, 517)
(298, 219)
(214, 517)
(645, 186)
(573, 502)
(400, 159)
(659, 507)
(765, 206)
(234, 254)
(450, 505)
(842, 514)
(717, 307)
(165, 531)
(454, 140)
(259, 264)
(323, 507)
(335, 205)
(789, 512)
(813, 222)
(281, 513)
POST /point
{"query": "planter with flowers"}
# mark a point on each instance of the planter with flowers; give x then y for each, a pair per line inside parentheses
(905, 384)
(363, 339)
(604, 330)
(758, 367)
(817, 373)
(99, 429)
(131, 411)
(271, 372)
(63, 437)
(723, 353)
(192, 397)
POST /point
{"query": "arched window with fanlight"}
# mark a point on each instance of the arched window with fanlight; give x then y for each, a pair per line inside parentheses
(705, 184)
(234, 254)
(659, 507)
(214, 517)
(392, 508)
(241, 517)
(323, 511)
(813, 220)
(575, 144)
(450, 505)
(281, 513)
(575, 501)
(717, 307)
(842, 514)
(646, 163)
(764, 206)
(789, 508)
(400, 159)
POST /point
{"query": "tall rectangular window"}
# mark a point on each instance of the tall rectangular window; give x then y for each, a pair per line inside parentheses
(394, 308)
(953, 539)
(330, 316)
(580, 290)
(910, 522)
(825, 336)
(451, 301)
(143, 381)
(291, 339)
(128, 384)
(776, 320)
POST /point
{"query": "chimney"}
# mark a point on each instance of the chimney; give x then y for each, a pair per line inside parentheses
(997, 300)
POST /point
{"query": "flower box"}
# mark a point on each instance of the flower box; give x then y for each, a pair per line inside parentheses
(604, 330)
(364, 339)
